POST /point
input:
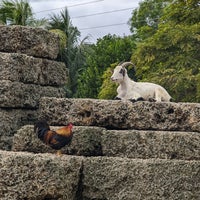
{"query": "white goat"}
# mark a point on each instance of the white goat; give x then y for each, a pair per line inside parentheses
(135, 91)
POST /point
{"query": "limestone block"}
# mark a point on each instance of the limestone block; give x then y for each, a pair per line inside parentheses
(10, 121)
(83, 112)
(31, 41)
(20, 95)
(96, 141)
(27, 69)
(128, 179)
(114, 114)
(86, 141)
(151, 144)
(38, 176)
(6, 142)
(165, 116)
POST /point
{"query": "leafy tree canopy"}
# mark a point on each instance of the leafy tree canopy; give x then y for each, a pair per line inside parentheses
(170, 56)
(108, 50)
(72, 53)
(108, 88)
(145, 19)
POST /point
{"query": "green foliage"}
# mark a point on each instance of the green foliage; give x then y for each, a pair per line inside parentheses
(62, 36)
(15, 12)
(88, 82)
(19, 12)
(108, 88)
(63, 22)
(170, 56)
(72, 53)
(108, 50)
(183, 12)
(145, 19)
(112, 49)
(38, 23)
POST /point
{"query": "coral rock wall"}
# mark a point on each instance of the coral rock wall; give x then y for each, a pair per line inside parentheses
(28, 71)
(120, 150)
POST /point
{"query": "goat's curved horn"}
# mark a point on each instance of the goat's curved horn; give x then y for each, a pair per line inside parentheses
(120, 63)
(126, 64)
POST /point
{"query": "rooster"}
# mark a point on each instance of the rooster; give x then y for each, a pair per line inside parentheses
(55, 139)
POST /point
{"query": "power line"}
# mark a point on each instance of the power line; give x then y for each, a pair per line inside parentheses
(109, 25)
(101, 13)
(80, 4)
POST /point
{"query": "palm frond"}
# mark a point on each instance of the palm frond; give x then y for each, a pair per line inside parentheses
(15, 12)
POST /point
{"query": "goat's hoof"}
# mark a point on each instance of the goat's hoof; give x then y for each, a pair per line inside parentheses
(152, 100)
(132, 100)
(117, 98)
(140, 99)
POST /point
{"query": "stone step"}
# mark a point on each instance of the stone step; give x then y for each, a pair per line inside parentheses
(28, 40)
(20, 95)
(113, 114)
(38, 176)
(96, 141)
(135, 179)
(45, 176)
(27, 69)
(152, 144)
(12, 120)
(86, 141)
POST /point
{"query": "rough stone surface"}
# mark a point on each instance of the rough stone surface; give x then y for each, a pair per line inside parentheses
(91, 112)
(20, 95)
(114, 114)
(128, 179)
(95, 141)
(165, 116)
(151, 144)
(36, 176)
(27, 69)
(27, 40)
(10, 121)
(86, 141)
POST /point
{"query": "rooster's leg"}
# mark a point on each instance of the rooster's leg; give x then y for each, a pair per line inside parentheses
(59, 153)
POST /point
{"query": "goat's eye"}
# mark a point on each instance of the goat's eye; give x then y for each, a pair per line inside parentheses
(122, 71)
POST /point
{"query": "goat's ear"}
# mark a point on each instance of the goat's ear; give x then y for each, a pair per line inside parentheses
(122, 71)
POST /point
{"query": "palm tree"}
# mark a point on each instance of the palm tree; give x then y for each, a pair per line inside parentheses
(39, 23)
(63, 22)
(73, 54)
(15, 12)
